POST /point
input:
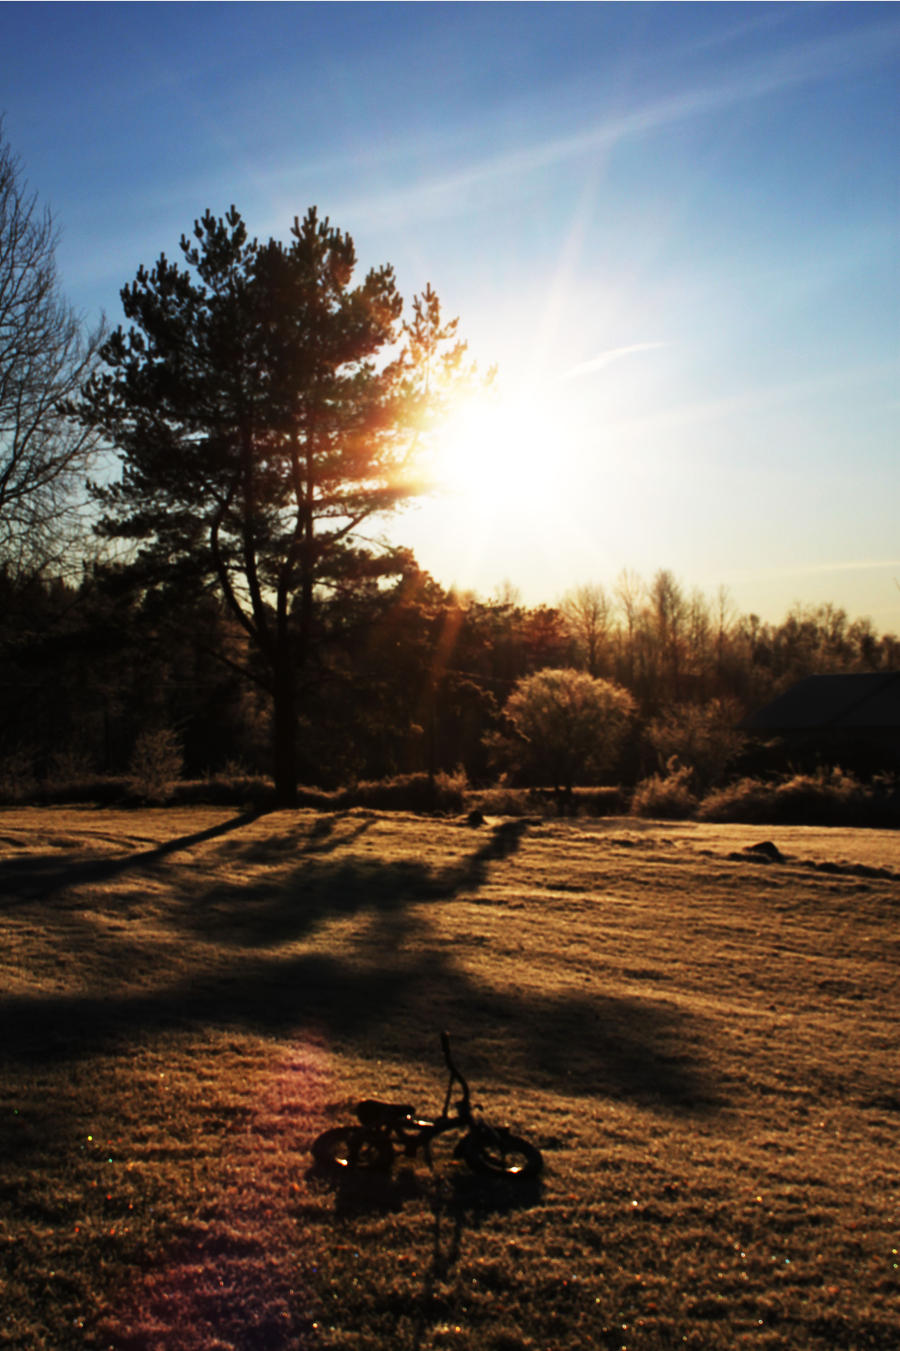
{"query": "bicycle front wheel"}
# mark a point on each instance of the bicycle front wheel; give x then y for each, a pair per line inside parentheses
(501, 1154)
(352, 1147)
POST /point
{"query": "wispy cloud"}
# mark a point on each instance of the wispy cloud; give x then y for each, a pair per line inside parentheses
(815, 569)
(785, 68)
(606, 358)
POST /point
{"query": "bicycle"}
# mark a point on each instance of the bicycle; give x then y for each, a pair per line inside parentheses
(384, 1125)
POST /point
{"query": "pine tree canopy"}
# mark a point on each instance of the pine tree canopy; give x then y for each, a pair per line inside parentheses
(265, 410)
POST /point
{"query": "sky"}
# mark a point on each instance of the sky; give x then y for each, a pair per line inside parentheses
(674, 229)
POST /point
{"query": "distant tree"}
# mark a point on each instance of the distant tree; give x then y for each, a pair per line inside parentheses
(668, 615)
(564, 726)
(44, 359)
(266, 411)
(629, 593)
(701, 737)
(724, 617)
(587, 612)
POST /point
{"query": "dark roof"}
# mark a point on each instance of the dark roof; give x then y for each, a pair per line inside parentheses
(863, 701)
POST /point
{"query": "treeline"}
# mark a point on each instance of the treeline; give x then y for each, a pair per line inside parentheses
(409, 680)
(269, 409)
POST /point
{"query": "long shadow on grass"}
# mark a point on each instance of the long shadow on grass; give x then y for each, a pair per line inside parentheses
(585, 1046)
(40, 877)
(281, 909)
(398, 975)
(300, 840)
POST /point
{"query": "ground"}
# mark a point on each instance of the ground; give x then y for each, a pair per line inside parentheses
(702, 1042)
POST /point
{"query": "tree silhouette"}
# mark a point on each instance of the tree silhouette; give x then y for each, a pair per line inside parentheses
(266, 410)
(44, 359)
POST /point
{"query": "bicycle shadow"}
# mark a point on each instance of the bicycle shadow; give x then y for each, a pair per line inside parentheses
(459, 1203)
(453, 1195)
(465, 1201)
(368, 1191)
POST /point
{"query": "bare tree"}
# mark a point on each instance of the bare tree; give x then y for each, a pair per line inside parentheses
(629, 593)
(44, 360)
(725, 618)
(587, 612)
(668, 615)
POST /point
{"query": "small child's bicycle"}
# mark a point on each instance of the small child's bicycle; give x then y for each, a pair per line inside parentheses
(370, 1145)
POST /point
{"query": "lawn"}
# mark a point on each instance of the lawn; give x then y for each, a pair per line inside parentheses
(703, 1043)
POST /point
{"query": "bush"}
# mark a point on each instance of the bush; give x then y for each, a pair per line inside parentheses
(609, 801)
(156, 763)
(17, 780)
(237, 789)
(409, 792)
(564, 726)
(668, 795)
(827, 797)
(502, 800)
(703, 736)
(105, 790)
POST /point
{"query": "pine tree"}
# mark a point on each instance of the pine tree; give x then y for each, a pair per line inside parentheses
(265, 410)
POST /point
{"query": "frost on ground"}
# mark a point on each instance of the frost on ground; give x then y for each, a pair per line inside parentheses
(702, 1043)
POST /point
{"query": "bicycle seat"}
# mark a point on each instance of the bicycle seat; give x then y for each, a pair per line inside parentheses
(382, 1115)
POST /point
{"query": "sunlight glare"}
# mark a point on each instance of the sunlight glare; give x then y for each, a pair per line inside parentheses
(500, 452)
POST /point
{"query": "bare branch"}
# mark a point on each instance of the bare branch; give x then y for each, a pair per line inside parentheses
(45, 453)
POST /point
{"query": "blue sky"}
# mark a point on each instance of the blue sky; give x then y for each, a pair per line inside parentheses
(673, 228)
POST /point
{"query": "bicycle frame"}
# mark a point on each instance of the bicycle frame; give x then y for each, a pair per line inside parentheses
(485, 1148)
(413, 1132)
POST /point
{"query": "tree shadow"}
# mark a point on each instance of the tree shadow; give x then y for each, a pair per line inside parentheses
(271, 911)
(275, 910)
(319, 839)
(587, 1046)
(390, 992)
(40, 877)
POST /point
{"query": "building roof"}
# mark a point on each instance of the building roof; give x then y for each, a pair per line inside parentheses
(868, 701)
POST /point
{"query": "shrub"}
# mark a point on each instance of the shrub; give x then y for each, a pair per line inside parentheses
(827, 797)
(609, 801)
(565, 727)
(17, 780)
(409, 792)
(667, 795)
(156, 763)
(502, 800)
(703, 736)
(225, 790)
(106, 790)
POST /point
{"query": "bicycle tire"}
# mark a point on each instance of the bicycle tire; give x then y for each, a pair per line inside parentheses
(501, 1155)
(346, 1148)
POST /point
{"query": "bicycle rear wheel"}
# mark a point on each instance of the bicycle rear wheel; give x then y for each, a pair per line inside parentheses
(500, 1154)
(352, 1147)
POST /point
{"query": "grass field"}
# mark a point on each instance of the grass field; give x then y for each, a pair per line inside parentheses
(705, 1047)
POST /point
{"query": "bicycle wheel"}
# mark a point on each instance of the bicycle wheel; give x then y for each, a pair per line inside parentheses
(501, 1154)
(349, 1147)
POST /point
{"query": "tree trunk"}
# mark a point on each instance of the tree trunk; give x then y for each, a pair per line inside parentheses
(284, 723)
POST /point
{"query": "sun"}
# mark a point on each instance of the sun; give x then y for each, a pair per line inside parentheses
(500, 451)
